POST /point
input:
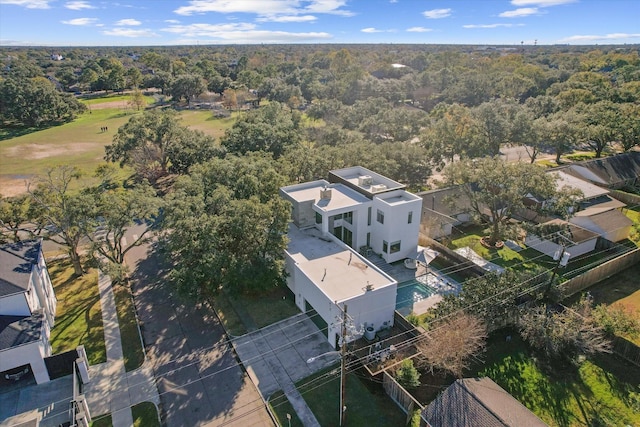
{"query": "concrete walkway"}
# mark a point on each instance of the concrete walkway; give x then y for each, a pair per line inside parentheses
(111, 389)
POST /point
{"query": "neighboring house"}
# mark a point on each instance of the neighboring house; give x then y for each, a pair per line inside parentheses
(575, 239)
(355, 212)
(478, 402)
(443, 209)
(611, 172)
(611, 224)
(27, 308)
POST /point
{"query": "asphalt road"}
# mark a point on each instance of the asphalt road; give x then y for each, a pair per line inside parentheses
(198, 376)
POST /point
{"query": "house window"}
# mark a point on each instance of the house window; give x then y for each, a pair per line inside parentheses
(318, 218)
(395, 247)
(369, 216)
(369, 239)
(348, 216)
(380, 217)
(385, 246)
(410, 217)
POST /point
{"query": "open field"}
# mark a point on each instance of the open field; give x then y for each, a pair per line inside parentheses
(81, 142)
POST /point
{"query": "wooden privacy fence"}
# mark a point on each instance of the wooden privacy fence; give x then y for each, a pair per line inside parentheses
(601, 272)
(626, 349)
(628, 198)
(398, 394)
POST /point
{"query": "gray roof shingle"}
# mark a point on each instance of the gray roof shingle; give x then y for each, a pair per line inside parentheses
(18, 330)
(16, 263)
(478, 402)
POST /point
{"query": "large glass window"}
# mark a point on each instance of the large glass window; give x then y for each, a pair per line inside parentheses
(395, 247)
(318, 218)
(380, 217)
(348, 216)
(410, 217)
(385, 246)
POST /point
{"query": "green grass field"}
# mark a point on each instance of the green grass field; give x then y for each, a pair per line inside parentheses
(129, 334)
(78, 315)
(81, 143)
(598, 392)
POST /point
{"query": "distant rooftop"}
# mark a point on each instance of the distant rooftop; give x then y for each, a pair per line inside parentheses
(364, 180)
(339, 273)
(341, 195)
(589, 190)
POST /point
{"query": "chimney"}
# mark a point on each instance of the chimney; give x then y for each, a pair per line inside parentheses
(325, 194)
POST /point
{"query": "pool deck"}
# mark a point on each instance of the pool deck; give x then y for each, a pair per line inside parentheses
(403, 274)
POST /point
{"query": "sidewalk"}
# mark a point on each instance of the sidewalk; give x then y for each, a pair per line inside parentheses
(111, 389)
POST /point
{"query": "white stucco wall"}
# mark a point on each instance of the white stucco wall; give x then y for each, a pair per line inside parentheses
(396, 227)
(372, 308)
(32, 354)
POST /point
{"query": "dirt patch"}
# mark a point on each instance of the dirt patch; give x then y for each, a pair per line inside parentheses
(111, 104)
(38, 151)
(13, 186)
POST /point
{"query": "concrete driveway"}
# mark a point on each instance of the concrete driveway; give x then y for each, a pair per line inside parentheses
(277, 355)
(198, 377)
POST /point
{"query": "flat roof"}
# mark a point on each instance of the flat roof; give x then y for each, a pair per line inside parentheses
(588, 190)
(341, 195)
(338, 271)
(375, 184)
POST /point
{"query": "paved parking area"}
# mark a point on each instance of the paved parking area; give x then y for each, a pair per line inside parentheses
(276, 355)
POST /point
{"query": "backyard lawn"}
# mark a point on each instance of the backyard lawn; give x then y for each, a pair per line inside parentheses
(598, 392)
(78, 315)
(366, 405)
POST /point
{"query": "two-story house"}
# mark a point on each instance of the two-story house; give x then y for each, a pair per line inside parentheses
(27, 308)
(336, 223)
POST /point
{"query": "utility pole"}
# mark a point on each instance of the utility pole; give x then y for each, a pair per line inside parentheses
(562, 256)
(343, 374)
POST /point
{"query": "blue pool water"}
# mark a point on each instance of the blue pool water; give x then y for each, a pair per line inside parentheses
(411, 292)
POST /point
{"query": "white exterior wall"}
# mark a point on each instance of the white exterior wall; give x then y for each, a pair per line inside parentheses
(549, 248)
(33, 354)
(613, 235)
(15, 305)
(372, 308)
(396, 226)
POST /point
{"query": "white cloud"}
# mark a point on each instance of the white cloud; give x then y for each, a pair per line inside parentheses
(171, 21)
(208, 30)
(437, 13)
(129, 32)
(606, 37)
(288, 18)
(371, 30)
(419, 30)
(78, 5)
(81, 21)
(29, 4)
(128, 22)
(492, 25)
(264, 7)
(519, 13)
(541, 3)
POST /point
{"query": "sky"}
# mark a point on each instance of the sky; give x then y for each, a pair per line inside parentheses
(213, 22)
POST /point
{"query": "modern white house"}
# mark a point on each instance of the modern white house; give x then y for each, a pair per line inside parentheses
(27, 308)
(336, 223)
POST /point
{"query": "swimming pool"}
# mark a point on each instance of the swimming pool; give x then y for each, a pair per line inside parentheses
(411, 292)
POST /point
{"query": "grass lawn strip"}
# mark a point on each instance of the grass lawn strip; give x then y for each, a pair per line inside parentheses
(595, 393)
(102, 421)
(281, 407)
(78, 315)
(145, 414)
(365, 407)
(129, 334)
